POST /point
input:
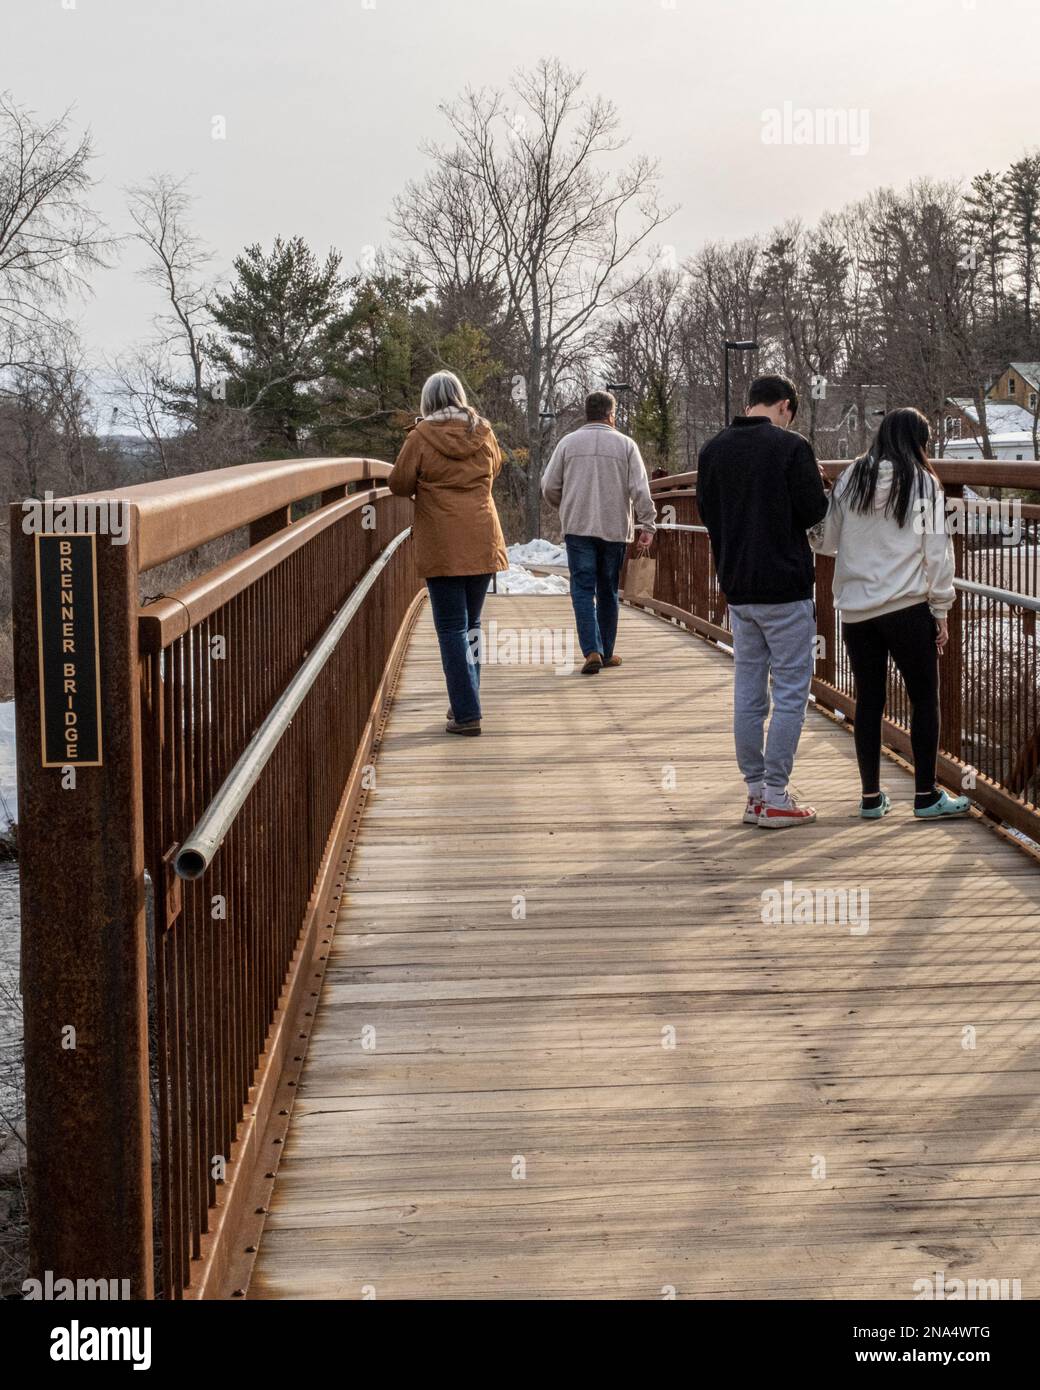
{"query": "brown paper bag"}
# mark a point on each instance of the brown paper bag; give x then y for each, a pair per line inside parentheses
(640, 576)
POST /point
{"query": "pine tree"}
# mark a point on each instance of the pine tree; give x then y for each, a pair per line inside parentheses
(1023, 188)
(284, 324)
(986, 225)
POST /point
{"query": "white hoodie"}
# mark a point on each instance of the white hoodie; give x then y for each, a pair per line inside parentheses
(880, 566)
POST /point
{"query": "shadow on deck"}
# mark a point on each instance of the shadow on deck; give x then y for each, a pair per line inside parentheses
(560, 1054)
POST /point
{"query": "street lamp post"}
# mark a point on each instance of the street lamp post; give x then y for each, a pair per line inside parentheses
(743, 345)
(616, 388)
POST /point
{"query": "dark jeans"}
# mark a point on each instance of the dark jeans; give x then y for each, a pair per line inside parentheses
(908, 636)
(456, 601)
(595, 567)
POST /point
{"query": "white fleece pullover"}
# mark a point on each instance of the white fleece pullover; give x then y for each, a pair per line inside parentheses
(595, 476)
(879, 566)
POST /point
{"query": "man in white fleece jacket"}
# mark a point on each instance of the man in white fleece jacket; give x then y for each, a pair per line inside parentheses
(596, 476)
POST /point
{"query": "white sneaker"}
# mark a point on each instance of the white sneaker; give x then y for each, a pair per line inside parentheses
(752, 810)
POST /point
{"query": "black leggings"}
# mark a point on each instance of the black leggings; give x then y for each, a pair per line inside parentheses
(908, 636)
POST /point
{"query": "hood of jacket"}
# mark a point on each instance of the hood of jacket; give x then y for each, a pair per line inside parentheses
(454, 435)
(886, 474)
(883, 489)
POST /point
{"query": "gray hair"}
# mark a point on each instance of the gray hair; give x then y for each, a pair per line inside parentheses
(443, 391)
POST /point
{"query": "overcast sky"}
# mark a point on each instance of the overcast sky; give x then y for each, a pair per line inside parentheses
(326, 102)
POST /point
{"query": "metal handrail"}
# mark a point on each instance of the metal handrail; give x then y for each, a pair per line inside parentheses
(1009, 596)
(175, 515)
(196, 853)
(952, 472)
(970, 586)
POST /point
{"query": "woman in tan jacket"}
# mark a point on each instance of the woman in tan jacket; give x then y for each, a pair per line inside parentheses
(448, 464)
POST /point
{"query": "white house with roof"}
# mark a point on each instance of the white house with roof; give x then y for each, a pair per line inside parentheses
(1012, 412)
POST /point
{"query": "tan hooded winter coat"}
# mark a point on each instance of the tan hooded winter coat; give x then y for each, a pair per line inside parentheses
(448, 463)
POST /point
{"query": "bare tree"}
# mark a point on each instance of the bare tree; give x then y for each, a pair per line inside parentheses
(1034, 424)
(141, 380)
(177, 262)
(643, 347)
(555, 226)
(922, 295)
(860, 329)
(49, 237)
(725, 299)
(46, 403)
(452, 219)
(804, 275)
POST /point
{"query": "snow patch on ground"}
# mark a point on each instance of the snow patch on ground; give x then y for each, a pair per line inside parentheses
(537, 552)
(518, 579)
(1018, 834)
(8, 783)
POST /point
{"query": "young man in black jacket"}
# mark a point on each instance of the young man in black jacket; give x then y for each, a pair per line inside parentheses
(759, 489)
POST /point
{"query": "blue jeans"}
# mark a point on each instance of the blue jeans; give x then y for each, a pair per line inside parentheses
(775, 639)
(595, 567)
(457, 601)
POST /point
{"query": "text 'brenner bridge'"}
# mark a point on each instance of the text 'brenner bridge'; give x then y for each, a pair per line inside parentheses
(270, 848)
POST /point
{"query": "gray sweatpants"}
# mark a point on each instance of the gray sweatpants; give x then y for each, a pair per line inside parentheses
(775, 639)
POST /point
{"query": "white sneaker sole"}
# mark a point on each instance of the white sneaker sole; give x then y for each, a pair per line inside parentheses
(786, 824)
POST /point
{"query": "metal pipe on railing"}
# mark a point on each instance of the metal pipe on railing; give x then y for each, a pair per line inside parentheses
(968, 585)
(196, 853)
(998, 595)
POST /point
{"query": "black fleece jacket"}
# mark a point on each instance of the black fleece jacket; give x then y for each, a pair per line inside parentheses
(759, 490)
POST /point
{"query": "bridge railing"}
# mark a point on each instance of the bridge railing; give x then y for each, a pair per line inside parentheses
(989, 686)
(165, 1011)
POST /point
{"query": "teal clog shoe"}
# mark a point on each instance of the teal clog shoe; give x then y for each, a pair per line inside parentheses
(876, 812)
(946, 806)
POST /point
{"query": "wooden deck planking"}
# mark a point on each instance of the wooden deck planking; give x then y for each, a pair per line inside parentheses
(649, 1167)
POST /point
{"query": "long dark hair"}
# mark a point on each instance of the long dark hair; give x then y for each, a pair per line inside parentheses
(903, 440)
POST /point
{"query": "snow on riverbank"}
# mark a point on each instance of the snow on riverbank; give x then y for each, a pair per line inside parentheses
(8, 785)
(537, 553)
(519, 580)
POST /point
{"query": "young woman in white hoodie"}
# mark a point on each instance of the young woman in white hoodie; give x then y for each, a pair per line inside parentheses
(893, 587)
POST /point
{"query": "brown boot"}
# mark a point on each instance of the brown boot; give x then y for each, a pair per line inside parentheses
(469, 730)
(611, 661)
(593, 664)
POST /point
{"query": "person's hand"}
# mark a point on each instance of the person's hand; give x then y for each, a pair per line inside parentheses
(823, 477)
(942, 634)
(644, 541)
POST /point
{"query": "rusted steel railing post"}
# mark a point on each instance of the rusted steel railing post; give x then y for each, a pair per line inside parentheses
(268, 525)
(951, 664)
(80, 836)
